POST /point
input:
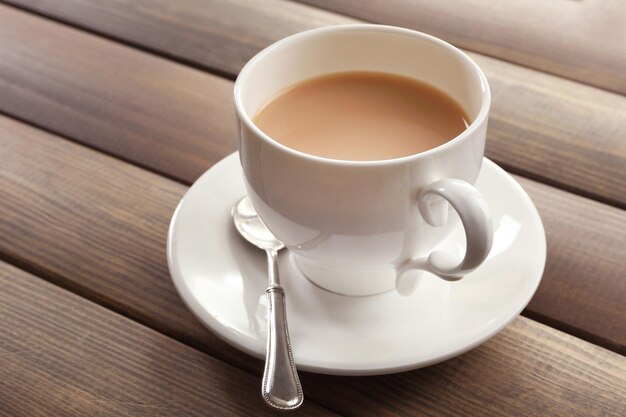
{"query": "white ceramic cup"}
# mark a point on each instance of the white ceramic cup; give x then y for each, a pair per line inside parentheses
(356, 227)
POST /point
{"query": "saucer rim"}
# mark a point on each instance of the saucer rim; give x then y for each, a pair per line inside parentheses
(364, 368)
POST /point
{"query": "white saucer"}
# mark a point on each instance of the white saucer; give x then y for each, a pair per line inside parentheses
(223, 279)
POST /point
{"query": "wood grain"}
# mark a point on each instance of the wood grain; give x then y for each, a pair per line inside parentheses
(65, 356)
(176, 121)
(98, 226)
(583, 281)
(579, 40)
(220, 35)
(171, 118)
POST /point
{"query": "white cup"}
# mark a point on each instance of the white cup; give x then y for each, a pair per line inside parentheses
(356, 227)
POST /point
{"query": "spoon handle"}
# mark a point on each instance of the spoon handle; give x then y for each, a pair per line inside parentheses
(281, 385)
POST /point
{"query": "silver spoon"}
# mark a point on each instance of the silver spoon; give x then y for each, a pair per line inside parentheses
(281, 386)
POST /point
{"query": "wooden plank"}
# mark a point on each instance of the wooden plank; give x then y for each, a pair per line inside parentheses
(65, 356)
(171, 118)
(220, 35)
(112, 220)
(557, 131)
(93, 224)
(583, 287)
(579, 40)
(97, 225)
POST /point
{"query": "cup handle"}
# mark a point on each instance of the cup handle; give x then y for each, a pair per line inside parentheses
(475, 217)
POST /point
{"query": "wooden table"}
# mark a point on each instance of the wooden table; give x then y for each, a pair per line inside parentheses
(110, 109)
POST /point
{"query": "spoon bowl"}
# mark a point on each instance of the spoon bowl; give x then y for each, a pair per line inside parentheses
(252, 228)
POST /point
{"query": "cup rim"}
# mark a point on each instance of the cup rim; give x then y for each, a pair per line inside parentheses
(475, 125)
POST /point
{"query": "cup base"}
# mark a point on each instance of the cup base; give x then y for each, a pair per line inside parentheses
(349, 282)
